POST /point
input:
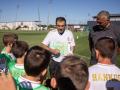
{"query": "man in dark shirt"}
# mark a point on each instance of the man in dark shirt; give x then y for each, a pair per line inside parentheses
(104, 28)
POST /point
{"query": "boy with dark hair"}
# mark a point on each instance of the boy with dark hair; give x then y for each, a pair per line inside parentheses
(74, 74)
(35, 64)
(104, 70)
(8, 40)
(6, 56)
(103, 27)
(19, 49)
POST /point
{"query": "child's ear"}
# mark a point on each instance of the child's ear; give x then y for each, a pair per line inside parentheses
(97, 53)
(53, 82)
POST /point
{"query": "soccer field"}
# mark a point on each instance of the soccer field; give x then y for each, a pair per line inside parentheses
(36, 37)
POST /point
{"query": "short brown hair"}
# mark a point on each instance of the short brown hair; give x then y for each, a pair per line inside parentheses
(19, 48)
(76, 70)
(9, 38)
(106, 47)
(36, 60)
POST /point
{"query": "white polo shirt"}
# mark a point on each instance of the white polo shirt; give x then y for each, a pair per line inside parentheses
(63, 42)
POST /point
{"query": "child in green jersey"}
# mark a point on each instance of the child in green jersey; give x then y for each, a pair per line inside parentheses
(6, 56)
(8, 40)
(35, 64)
(19, 49)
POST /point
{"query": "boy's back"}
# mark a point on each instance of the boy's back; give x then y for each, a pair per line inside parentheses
(16, 70)
(25, 84)
(36, 62)
(19, 48)
(100, 74)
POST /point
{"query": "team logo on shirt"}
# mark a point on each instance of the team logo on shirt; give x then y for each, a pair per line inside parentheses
(105, 77)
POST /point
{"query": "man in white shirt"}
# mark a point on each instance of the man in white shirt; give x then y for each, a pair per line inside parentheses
(60, 42)
(104, 72)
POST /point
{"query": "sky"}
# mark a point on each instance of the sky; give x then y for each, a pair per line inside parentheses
(75, 11)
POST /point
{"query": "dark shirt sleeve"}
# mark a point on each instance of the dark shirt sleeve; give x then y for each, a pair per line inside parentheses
(90, 41)
(116, 30)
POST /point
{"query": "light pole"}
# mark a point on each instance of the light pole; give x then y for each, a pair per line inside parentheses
(67, 22)
(16, 17)
(17, 8)
(49, 7)
(0, 14)
(39, 22)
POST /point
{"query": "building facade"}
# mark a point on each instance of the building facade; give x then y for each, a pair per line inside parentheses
(20, 25)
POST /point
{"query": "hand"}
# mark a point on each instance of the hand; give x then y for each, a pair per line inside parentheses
(55, 51)
(6, 82)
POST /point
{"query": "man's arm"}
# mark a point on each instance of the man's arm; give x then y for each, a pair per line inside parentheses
(90, 42)
(45, 44)
(53, 51)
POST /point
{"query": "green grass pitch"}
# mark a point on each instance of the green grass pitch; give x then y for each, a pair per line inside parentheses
(36, 37)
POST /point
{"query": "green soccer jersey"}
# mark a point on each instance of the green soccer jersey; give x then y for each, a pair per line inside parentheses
(41, 87)
(3, 63)
(16, 70)
(8, 55)
(25, 84)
